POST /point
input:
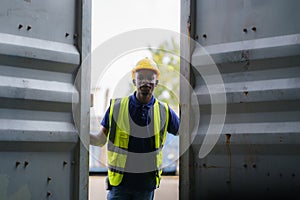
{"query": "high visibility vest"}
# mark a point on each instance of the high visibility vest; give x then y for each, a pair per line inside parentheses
(118, 137)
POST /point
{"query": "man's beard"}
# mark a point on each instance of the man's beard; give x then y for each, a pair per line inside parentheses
(145, 93)
(145, 90)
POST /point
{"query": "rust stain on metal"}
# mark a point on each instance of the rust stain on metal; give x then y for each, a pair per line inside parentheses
(92, 100)
(189, 26)
(228, 136)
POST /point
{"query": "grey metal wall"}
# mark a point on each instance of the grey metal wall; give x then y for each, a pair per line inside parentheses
(42, 45)
(256, 46)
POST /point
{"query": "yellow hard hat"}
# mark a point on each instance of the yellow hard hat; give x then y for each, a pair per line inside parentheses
(145, 63)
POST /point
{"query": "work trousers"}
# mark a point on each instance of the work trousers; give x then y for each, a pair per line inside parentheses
(123, 193)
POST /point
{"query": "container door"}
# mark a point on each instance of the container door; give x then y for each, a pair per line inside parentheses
(42, 45)
(255, 45)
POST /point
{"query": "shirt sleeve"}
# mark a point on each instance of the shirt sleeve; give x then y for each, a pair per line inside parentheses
(173, 126)
(105, 120)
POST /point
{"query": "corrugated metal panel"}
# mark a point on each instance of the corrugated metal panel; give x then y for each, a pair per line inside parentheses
(46, 20)
(256, 46)
(42, 44)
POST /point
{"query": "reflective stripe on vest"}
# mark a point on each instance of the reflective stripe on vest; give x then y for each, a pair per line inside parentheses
(118, 138)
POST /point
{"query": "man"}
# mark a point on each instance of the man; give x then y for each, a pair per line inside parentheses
(136, 128)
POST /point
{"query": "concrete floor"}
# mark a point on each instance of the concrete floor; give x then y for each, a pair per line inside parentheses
(168, 188)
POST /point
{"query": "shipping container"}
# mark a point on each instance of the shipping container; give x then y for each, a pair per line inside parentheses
(42, 48)
(255, 45)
